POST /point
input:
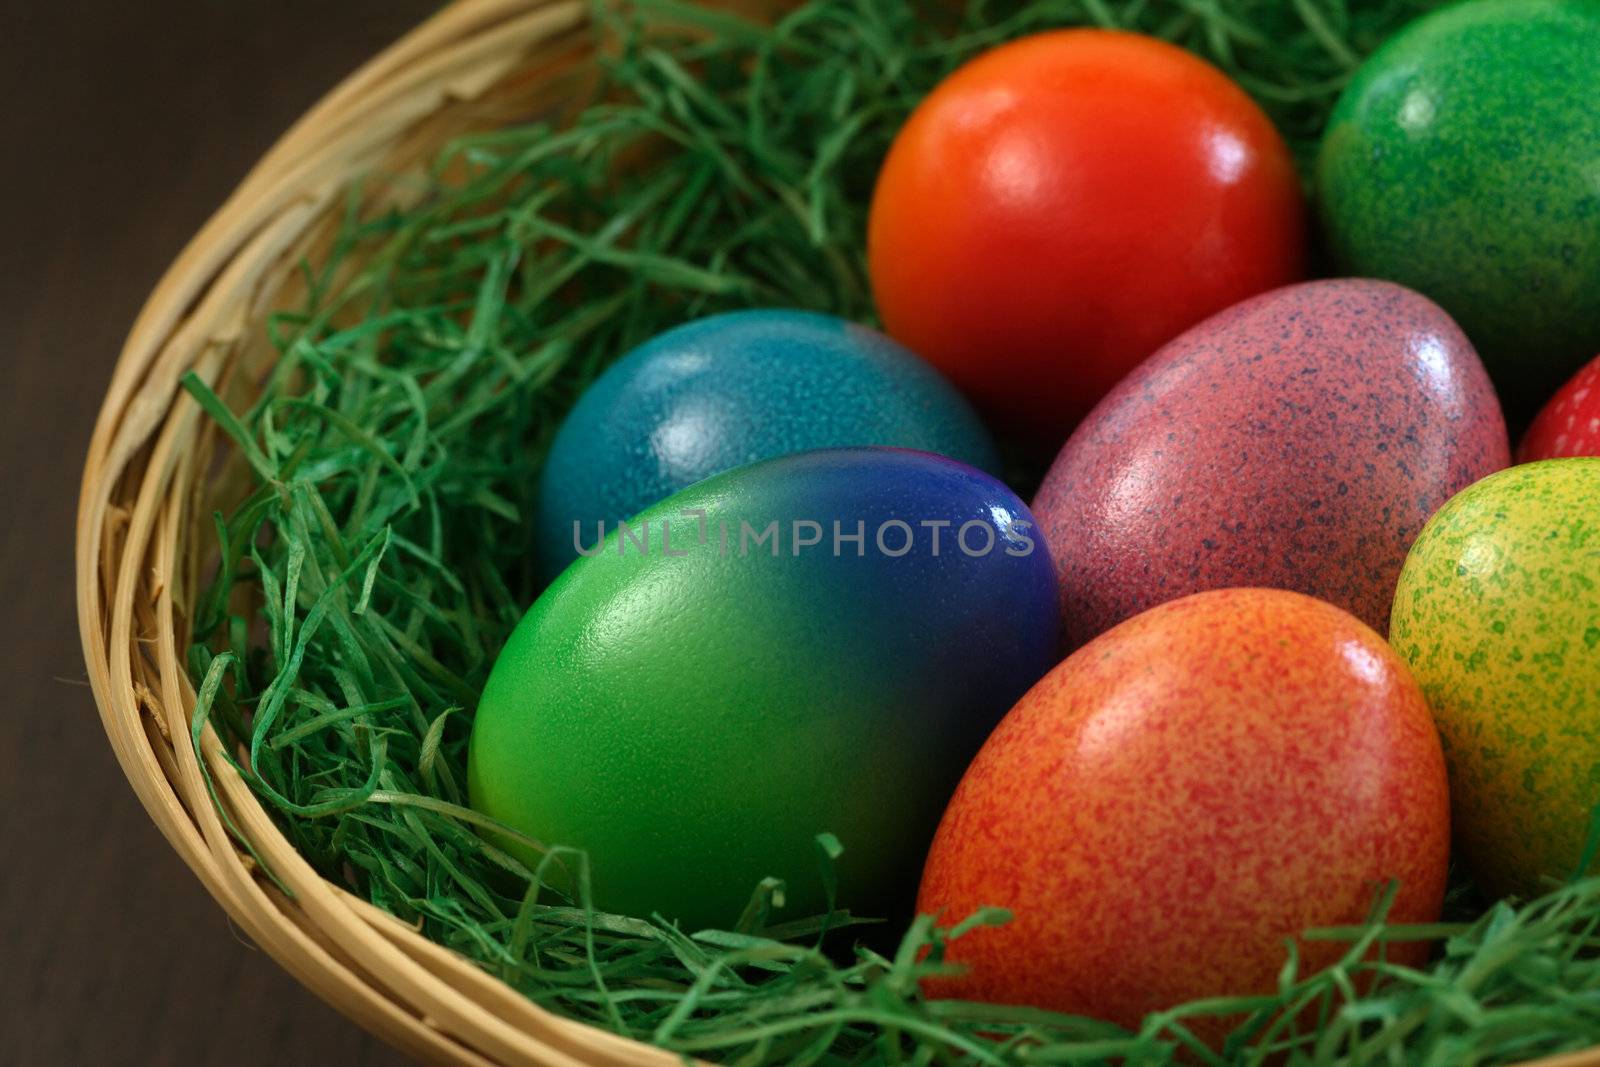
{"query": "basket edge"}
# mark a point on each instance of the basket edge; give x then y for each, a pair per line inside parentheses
(136, 418)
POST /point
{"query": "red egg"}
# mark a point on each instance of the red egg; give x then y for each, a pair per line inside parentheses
(1569, 425)
(1063, 205)
(1181, 795)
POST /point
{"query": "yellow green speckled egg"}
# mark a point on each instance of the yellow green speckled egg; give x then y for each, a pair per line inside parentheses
(1498, 613)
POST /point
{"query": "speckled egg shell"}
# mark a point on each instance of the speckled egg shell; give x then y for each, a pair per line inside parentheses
(732, 389)
(1298, 440)
(1569, 424)
(1180, 796)
(1464, 161)
(695, 713)
(1498, 614)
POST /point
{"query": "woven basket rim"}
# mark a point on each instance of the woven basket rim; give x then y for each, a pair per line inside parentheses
(145, 467)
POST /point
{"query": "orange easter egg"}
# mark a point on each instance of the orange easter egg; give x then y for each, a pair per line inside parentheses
(1182, 794)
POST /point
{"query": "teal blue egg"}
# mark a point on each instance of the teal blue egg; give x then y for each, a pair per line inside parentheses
(732, 389)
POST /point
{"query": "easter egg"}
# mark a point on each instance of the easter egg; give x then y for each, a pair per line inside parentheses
(732, 389)
(1179, 797)
(1464, 160)
(1061, 206)
(1298, 440)
(1569, 424)
(815, 643)
(1498, 614)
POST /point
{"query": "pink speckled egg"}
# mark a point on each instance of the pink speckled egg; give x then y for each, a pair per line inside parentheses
(1297, 440)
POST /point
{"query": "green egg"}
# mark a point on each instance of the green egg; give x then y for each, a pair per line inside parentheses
(1463, 160)
(812, 644)
(1498, 614)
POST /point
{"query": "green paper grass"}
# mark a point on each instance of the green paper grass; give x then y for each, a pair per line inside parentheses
(367, 581)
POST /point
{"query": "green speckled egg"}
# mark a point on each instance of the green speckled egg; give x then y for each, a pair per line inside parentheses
(1498, 613)
(1463, 160)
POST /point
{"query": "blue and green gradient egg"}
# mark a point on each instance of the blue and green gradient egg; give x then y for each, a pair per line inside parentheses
(732, 389)
(735, 673)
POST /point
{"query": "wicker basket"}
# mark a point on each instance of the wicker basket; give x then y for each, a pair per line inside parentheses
(149, 479)
(478, 64)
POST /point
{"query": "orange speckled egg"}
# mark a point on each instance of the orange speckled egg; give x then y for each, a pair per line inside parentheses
(1182, 794)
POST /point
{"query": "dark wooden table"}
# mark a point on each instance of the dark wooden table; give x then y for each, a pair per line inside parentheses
(121, 127)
